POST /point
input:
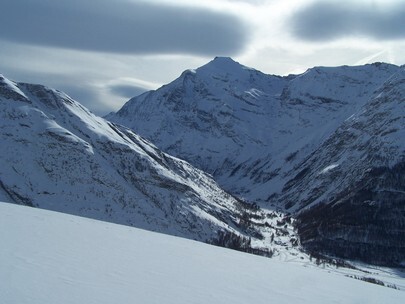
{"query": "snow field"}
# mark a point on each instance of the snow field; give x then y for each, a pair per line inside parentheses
(49, 257)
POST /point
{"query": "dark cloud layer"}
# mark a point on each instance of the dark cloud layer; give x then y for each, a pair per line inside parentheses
(322, 21)
(127, 91)
(122, 27)
(87, 96)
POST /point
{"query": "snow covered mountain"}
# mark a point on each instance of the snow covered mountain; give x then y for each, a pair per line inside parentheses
(329, 139)
(48, 257)
(57, 155)
(246, 128)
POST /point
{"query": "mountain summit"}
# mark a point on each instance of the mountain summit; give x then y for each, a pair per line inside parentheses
(222, 65)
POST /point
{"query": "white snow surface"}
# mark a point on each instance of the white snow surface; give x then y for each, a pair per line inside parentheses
(49, 257)
(329, 168)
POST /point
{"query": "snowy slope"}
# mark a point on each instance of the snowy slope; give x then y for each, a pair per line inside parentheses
(49, 257)
(57, 155)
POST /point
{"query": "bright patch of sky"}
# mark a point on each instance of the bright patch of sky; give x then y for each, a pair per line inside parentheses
(103, 52)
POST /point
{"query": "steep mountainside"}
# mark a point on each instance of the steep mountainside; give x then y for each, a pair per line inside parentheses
(326, 145)
(57, 155)
(354, 183)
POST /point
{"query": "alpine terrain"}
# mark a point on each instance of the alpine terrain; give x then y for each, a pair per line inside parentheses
(325, 147)
(57, 155)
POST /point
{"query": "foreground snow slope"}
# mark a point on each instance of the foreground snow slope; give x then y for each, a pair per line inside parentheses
(48, 257)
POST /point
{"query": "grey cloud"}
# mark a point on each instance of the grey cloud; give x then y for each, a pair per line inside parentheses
(122, 27)
(127, 91)
(76, 88)
(87, 96)
(253, 2)
(322, 21)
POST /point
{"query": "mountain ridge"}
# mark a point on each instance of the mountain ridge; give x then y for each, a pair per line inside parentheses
(233, 114)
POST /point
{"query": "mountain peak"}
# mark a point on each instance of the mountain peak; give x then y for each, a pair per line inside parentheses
(10, 89)
(223, 60)
(223, 64)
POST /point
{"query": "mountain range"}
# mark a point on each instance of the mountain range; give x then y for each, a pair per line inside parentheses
(264, 163)
(326, 146)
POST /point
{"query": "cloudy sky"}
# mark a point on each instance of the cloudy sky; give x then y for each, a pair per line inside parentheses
(102, 52)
